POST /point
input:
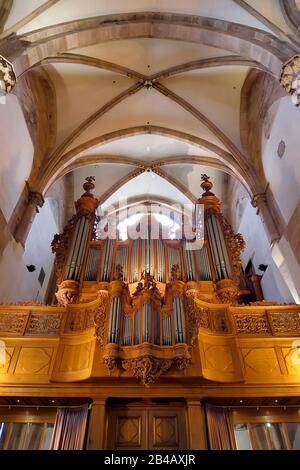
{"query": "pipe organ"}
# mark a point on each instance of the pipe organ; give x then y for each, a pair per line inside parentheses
(157, 311)
(148, 325)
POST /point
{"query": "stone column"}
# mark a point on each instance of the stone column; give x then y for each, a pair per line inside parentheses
(259, 202)
(196, 423)
(96, 431)
(35, 201)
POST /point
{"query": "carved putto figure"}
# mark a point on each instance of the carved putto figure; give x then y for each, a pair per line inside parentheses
(175, 272)
(118, 274)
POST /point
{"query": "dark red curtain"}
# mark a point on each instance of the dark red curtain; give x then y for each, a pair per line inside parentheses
(69, 429)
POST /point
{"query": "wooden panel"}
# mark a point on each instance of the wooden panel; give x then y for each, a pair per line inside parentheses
(34, 361)
(167, 428)
(127, 429)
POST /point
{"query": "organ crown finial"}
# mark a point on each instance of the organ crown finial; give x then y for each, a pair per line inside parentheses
(206, 185)
(89, 185)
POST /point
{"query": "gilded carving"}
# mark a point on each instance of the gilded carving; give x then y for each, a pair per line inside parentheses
(60, 245)
(13, 323)
(227, 292)
(236, 244)
(100, 317)
(285, 323)
(68, 292)
(219, 321)
(147, 368)
(112, 363)
(251, 323)
(75, 321)
(43, 324)
(197, 317)
(182, 362)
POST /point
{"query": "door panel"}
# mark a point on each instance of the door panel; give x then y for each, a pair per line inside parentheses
(146, 426)
(167, 429)
(126, 429)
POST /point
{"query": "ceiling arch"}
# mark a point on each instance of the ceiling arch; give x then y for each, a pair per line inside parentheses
(53, 169)
(252, 43)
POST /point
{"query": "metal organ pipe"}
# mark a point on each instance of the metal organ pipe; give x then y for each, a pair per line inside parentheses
(82, 249)
(134, 261)
(137, 327)
(92, 264)
(189, 262)
(127, 330)
(114, 320)
(214, 249)
(146, 322)
(107, 259)
(217, 236)
(78, 248)
(179, 320)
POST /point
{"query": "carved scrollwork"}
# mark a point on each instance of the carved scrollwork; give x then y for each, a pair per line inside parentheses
(236, 244)
(252, 323)
(100, 318)
(68, 293)
(60, 245)
(112, 363)
(147, 368)
(43, 324)
(227, 291)
(182, 362)
(13, 323)
(196, 317)
(285, 323)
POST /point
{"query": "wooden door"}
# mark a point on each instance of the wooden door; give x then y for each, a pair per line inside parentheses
(146, 426)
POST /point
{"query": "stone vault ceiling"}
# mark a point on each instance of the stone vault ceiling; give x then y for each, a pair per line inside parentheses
(145, 113)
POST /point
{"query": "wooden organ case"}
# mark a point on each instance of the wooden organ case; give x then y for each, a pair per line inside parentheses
(147, 318)
(147, 286)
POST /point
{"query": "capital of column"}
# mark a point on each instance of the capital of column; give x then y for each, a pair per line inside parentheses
(290, 77)
(36, 199)
(258, 199)
(7, 76)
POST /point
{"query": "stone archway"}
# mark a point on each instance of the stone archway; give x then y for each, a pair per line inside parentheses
(249, 42)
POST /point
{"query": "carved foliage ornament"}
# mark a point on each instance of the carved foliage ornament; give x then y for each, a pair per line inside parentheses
(196, 317)
(252, 323)
(68, 293)
(100, 318)
(60, 245)
(290, 77)
(236, 244)
(285, 323)
(148, 368)
(7, 76)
